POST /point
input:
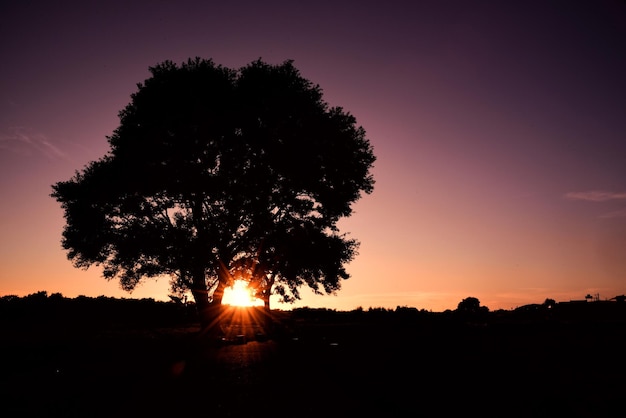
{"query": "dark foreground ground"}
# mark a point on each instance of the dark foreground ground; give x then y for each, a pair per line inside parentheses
(319, 368)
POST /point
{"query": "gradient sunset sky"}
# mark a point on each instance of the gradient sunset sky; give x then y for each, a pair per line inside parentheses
(499, 128)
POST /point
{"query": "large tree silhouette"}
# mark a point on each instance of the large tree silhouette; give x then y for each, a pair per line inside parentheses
(215, 174)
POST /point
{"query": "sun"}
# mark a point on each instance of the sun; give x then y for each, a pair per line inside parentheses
(239, 295)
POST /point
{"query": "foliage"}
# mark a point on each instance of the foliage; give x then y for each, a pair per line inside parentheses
(56, 311)
(215, 173)
(549, 303)
(470, 306)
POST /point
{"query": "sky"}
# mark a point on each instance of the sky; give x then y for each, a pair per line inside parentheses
(499, 129)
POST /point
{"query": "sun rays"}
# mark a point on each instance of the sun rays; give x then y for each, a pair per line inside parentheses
(240, 295)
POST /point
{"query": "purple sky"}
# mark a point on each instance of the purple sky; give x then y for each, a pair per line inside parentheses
(499, 127)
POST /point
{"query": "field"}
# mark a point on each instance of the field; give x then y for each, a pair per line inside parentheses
(317, 363)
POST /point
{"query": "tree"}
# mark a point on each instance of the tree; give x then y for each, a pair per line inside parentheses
(215, 174)
(549, 303)
(470, 307)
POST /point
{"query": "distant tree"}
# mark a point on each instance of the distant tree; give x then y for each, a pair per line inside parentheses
(469, 305)
(37, 297)
(549, 303)
(216, 174)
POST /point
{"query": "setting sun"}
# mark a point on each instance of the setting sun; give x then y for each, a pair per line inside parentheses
(239, 295)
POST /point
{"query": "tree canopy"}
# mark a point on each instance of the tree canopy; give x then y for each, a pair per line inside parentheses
(216, 173)
(470, 306)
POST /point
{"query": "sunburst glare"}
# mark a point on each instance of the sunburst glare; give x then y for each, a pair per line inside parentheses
(240, 295)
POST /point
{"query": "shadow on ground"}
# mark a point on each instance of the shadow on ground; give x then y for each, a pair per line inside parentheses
(312, 369)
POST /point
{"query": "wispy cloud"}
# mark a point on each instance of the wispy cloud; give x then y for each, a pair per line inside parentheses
(25, 141)
(615, 214)
(596, 196)
(600, 196)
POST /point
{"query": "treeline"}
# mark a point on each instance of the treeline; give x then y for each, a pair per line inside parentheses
(474, 314)
(55, 309)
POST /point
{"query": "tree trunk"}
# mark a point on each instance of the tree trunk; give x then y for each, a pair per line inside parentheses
(267, 291)
(269, 322)
(203, 305)
(215, 308)
(218, 295)
(207, 312)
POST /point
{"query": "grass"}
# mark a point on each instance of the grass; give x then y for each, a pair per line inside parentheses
(318, 363)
